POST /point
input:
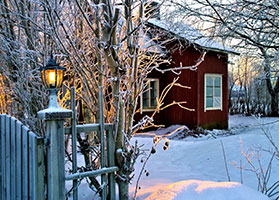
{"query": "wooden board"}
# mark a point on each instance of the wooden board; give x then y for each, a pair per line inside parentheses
(8, 157)
(3, 157)
(25, 163)
(18, 160)
(13, 157)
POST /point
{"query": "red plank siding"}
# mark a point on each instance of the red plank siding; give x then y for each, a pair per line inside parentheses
(214, 63)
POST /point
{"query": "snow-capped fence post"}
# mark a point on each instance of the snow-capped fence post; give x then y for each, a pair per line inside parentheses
(54, 118)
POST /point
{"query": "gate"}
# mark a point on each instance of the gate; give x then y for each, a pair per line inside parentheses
(22, 161)
(106, 138)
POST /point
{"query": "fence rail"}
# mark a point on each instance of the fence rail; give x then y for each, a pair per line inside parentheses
(97, 172)
(22, 161)
(87, 128)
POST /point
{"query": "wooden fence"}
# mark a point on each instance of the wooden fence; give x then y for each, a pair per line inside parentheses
(23, 165)
(22, 161)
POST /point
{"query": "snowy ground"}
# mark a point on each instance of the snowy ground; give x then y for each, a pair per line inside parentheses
(194, 168)
(202, 159)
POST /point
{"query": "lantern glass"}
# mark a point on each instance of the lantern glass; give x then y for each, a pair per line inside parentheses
(52, 78)
(59, 80)
(52, 75)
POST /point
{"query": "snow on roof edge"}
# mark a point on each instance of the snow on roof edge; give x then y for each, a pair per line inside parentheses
(191, 34)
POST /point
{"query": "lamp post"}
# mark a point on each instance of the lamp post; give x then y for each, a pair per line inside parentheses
(54, 116)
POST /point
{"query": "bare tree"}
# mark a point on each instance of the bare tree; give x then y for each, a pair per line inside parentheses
(249, 93)
(101, 43)
(22, 53)
(251, 25)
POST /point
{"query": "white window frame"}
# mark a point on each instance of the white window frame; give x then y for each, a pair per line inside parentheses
(221, 92)
(142, 109)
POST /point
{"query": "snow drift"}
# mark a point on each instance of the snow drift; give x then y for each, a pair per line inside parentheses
(201, 190)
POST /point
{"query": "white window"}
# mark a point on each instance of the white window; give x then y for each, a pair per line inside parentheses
(213, 92)
(148, 98)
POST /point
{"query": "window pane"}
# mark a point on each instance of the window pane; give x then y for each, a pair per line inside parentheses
(145, 95)
(217, 102)
(217, 92)
(149, 97)
(217, 82)
(153, 103)
(145, 100)
(145, 103)
(209, 81)
(209, 102)
(153, 90)
(209, 91)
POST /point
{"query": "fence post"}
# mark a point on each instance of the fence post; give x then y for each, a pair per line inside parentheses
(74, 142)
(54, 117)
(111, 163)
(102, 144)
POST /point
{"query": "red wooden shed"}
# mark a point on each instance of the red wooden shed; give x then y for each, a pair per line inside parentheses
(208, 95)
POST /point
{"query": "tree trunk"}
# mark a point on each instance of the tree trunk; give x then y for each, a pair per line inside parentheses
(123, 190)
(274, 92)
(274, 106)
(272, 89)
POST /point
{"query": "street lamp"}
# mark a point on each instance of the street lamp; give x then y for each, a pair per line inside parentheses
(52, 77)
(54, 117)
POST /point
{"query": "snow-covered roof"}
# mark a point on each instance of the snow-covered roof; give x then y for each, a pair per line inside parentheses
(191, 34)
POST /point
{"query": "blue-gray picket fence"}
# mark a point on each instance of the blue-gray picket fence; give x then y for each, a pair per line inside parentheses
(22, 161)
